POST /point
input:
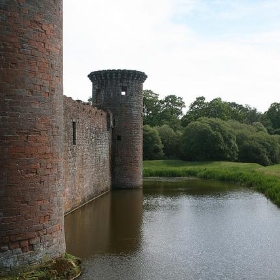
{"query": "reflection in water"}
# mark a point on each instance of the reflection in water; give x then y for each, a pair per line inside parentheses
(87, 225)
(195, 188)
(125, 221)
(102, 225)
(177, 230)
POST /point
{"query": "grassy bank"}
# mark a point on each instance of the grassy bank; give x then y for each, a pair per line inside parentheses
(263, 179)
(64, 268)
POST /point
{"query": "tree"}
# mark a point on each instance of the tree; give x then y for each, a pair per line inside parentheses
(267, 123)
(251, 115)
(152, 145)
(209, 139)
(196, 110)
(195, 141)
(151, 108)
(218, 109)
(260, 148)
(237, 112)
(252, 151)
(227, 149)
(170, 140)
(273, 114)
(166, 111)
(171, 111)
(172, 105)
(255, 144)
(259, 127)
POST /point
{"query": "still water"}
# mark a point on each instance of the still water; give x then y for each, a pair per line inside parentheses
(190, 229)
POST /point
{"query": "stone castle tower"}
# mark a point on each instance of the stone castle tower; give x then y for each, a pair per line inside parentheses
(31, 198)
(121, 92)
(32, 128)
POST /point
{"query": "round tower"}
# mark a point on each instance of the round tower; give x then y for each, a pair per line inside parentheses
(121, 92)
(31, 201)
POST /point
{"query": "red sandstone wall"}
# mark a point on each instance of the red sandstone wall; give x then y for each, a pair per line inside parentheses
(31, 127)
(128, 151)
(86, 163)
(121, 92)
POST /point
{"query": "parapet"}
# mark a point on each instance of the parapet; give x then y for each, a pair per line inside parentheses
(117, 74)
(121, 92)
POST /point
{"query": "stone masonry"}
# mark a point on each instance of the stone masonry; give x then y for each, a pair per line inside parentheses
(31, 131)
(87, 166)
(56, 154)
(121, 92)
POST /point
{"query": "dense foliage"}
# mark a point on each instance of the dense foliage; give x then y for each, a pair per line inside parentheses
(152, 145)
(170, 140)
(208, 139)
(214, 130)
(158, 112)
(220, 109)
(272, 115)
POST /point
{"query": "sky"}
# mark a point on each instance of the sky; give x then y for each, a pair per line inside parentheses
(228, 49)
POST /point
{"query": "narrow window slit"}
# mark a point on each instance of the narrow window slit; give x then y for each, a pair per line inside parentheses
(74, 133)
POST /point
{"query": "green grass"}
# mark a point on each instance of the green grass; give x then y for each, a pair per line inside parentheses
(263, 179)
(64, 268)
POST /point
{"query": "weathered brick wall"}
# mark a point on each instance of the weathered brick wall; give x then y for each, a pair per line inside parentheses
(121, 91)
(87, 160)
(31, 127)
(45, 171)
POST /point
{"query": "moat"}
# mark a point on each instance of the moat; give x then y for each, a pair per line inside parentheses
(190, 229)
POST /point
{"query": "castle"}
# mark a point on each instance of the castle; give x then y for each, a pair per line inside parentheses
(56, 153)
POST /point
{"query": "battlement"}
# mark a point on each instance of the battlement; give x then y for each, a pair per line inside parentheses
(121, 92)
(57, 153)
(117, 74)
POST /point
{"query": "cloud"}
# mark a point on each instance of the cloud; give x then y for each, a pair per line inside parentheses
(178, 58)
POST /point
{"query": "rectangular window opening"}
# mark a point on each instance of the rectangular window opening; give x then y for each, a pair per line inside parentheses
(119, 137)
(74, 133)
(124, 90)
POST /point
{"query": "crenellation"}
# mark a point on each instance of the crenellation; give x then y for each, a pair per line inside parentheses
(82, 165)
(119, 75)
(120, 91)
(56, 153)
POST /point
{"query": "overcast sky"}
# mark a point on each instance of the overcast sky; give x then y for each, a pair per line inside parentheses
(212, 48)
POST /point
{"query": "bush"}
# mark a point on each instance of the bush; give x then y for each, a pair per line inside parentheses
(170, 140)
(152, 145)
(256, 145)
(208, 139)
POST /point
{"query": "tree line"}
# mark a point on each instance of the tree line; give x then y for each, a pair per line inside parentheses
(215, 130)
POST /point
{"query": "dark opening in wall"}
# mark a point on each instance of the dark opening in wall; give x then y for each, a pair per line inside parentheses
(119, 137)
(98, 96)
(124, 90)
(109, 121)
(74, 133)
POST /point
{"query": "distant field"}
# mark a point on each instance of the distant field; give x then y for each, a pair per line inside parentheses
(263, 179)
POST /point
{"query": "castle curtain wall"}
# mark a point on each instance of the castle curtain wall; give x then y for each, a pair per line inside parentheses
(87, 158)
(55, 153)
